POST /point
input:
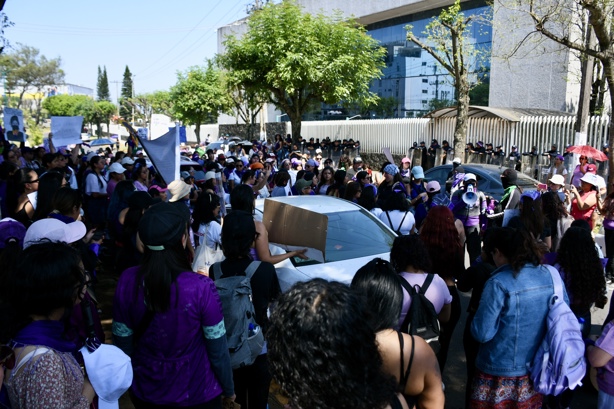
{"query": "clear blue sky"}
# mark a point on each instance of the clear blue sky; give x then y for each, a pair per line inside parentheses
(154, 38)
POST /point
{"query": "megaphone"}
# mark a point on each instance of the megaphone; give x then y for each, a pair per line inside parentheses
(470, 197)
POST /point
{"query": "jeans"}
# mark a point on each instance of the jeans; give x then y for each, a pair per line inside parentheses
(605, 401)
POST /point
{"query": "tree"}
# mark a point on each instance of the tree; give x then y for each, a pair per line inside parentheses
(296, 59)
(449, 34)
(145, 105)
(199, 96)
(102, 85)
(27, 70)
(559, 23)
(125, 110)
(246, 103)
(64, 105)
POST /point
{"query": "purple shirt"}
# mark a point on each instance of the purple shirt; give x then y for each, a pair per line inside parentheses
(437, 293)
(170, 362)
(605, 374)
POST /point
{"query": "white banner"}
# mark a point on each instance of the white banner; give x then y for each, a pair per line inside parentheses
(159, 125)
(13, 125)
(66, 130)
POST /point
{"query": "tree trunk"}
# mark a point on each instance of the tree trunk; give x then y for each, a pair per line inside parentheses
(197, 131)
(462, 111)
(608, 73)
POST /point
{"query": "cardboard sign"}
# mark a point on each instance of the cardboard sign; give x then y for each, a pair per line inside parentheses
(388, 155)
(13, 125)
(66, 130)
(296, 228)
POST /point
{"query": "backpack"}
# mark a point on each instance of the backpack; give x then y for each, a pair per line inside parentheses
(243, 335)
(398, 229)
(421, 319)
(559, 362)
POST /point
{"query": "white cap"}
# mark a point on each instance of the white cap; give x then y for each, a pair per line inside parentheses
(557, 180)
(91, 155)
(109, 370)
(209, 175)
(116, 168)
(127, 160)
(55, 231)
(456, 160)
(469, 176)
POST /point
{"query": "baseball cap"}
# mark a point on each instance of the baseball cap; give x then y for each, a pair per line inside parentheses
(406, 160)
(179, 189)
(91, 155)
(11, 231)
(557, 180)
(433, 186)
(109, 370)
(418, 172)
(127, 160)
(116, 168)
(302, 184)
(591, 168)
(54, 230)
(221, 156)
(456, 160)
(469, 176)
(209, 175)
(230, 160)
(357, 159)
(162, 225)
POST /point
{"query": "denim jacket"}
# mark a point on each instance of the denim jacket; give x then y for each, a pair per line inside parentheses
(510, 322)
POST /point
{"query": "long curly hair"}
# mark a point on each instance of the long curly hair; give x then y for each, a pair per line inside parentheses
(321, 352)
(584, 277)
(440, 236)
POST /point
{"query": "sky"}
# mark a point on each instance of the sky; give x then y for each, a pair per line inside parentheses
(154, 38)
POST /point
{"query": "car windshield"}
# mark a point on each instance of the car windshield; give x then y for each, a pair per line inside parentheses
(351, 235)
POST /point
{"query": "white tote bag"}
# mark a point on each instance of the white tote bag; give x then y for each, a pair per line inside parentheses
(205, 256)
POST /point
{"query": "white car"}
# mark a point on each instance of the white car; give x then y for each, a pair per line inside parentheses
(353, 237)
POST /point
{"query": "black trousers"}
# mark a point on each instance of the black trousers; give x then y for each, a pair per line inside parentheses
(447, 329)
(252, 384)
(474, 243)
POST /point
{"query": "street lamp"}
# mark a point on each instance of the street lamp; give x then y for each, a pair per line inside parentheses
(278, 117)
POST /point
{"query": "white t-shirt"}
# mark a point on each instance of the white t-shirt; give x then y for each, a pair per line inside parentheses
(210, 234)
(437, 293)
(93, 185)
(396, 216)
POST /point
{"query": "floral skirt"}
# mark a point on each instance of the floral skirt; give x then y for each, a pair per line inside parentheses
(500, 392)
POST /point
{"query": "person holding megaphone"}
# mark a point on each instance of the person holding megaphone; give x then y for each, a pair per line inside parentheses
(467, 205)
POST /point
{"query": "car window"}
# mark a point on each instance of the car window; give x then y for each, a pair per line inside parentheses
(438, 174)
(352, 235)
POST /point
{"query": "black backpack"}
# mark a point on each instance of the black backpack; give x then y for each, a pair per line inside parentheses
(421, 319)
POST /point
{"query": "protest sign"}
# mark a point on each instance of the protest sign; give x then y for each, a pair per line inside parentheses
(13, 125)
(66, 130)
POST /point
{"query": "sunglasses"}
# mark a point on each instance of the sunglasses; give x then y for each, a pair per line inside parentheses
(7, 357)
(583, 158)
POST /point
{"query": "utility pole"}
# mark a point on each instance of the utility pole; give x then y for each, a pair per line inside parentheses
(132, 99)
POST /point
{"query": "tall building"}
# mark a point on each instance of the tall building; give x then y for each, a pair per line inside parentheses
(537, 78)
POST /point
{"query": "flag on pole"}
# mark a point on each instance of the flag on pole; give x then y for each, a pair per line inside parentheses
(163, 153)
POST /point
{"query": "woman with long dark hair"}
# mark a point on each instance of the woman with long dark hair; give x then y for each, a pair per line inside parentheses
(392, 176)
(27, 184)
(440, 234)
(44, 285)
(510, 322)
(317, 320)
(558, 217)
(48, 184)
(337, 189)
(532, 218)
(395, 211)
(419, 378)
(140, 176)
(169, 319)
(326, 181)
(205, 220)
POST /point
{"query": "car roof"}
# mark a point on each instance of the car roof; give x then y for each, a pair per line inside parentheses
(493, 171)
(318, 203)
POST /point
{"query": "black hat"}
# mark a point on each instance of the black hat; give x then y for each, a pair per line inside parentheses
(162, 225)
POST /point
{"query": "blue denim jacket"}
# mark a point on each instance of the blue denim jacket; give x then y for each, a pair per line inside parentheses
(510, 322)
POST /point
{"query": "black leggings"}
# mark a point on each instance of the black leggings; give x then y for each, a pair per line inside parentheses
(609, 251)
(252, 384)
(447, 329)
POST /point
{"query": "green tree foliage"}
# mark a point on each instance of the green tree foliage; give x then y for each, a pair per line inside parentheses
(93, 112)
(145, 105)
(246, 103)
(448, 41)
(102, 85)
(26, 69)
(125, 110)
(297, 58)
(64, 105)
(479, 94)
(199, 96)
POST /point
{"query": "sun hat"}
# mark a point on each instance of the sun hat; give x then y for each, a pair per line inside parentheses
(433, 186)
(127, 160)
(590, 178)
(418, 172)
(557, 180)
(209, 175)
(11, 231)
(162, 225)
(54, 230)
(116, 168)
(109, 370)
(469, 176)
(179, 189)
(391, 169)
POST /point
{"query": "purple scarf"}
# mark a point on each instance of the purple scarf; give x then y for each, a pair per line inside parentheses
(48, 333)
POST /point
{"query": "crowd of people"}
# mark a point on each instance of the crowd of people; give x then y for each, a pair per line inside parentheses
(326, 344)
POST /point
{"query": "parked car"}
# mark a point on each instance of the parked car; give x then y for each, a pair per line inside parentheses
(488, 178)
(353, 237)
